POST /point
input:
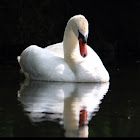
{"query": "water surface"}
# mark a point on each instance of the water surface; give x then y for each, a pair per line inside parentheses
(52, 109)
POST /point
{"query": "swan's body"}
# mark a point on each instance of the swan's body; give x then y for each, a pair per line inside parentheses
(65, 61)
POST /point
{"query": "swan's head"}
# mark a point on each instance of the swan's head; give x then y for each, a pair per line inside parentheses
(79, 25)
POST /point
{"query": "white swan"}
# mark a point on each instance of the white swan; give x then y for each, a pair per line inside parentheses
(71, 61)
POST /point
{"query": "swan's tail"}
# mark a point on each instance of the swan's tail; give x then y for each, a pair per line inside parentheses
(18, 58)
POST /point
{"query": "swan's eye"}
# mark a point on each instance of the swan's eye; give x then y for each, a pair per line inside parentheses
(84, 39)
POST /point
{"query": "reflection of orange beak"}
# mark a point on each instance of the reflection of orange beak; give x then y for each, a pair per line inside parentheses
(83, 48)
(83, 117)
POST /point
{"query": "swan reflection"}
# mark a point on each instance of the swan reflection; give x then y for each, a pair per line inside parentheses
(71, 104)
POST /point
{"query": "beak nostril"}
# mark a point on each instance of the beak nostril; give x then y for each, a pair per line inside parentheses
(84, 55)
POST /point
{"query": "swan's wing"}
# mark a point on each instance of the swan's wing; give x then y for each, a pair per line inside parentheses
(57, 49)
(92, 68)
(92, 55)
(42, 64)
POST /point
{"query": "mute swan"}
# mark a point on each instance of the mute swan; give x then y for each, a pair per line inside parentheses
(70, 61)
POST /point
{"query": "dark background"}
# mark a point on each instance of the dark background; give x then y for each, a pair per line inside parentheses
(114, 27)
(114, 33)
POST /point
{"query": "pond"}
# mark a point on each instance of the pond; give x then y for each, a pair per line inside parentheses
(57, 109)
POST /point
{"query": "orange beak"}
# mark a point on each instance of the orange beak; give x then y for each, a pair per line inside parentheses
(83, 47)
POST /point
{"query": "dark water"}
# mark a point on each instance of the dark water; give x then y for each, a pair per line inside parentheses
(42, 109)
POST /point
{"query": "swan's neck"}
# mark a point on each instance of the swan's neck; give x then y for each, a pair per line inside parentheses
(71, 47)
